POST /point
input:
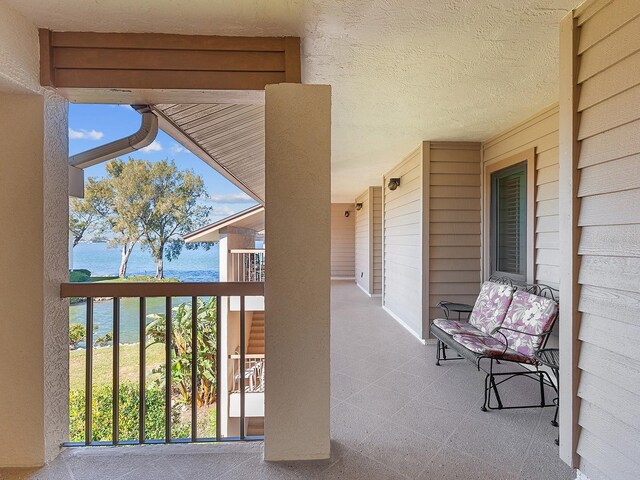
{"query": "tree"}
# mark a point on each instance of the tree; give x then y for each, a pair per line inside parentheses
(171, 208)
(181, 345)
(128, 202)
(89, 213)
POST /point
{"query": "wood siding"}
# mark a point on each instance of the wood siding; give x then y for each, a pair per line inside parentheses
(343, 240)
(454, 205)
(539, 132)
(609, 248)
(162, 61)
(368, 241)
(376, 196)
(402, 239)
(363, 242)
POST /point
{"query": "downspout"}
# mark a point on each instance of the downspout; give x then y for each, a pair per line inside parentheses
(145, 135)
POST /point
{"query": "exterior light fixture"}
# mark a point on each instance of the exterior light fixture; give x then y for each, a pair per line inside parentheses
(346, 213)
(393, 183)
(358, 206)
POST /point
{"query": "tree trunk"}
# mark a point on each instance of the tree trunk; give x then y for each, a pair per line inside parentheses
(159, 264)
(126, 253)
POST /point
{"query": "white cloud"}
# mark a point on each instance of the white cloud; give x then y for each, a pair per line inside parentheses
(222, 210)
(83, 134)
(232, 198)
(177, 148)
(154, 146)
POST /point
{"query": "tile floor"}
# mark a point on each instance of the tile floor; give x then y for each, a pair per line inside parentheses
(394, 415)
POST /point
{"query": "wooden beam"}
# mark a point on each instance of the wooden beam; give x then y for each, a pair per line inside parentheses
(152, 61)
(47, 73)
(149, 289)
(293, 73)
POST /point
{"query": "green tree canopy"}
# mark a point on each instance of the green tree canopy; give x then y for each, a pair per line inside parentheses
(153, 203)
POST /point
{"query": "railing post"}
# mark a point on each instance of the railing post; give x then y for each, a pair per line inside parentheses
(218, 368)
(242, 367)
(143, 373)
(116, 371)
(88, 395)
(167, 351)
(194, 368)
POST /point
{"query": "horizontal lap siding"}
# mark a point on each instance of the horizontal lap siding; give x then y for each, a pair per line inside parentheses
(343, 258)
(609, 164)
(454, 241)
(402, 242)
(363, 241)
(376, 200)
(540, 132)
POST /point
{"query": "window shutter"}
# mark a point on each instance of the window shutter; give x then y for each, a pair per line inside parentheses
(509, 221)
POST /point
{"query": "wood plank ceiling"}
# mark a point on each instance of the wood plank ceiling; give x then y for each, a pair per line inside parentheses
(230, 136)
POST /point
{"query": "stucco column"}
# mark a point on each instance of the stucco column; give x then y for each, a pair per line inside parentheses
(297, 288)
(21, 282)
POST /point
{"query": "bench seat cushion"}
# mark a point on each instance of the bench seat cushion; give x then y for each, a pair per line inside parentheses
(491, 306)
(456, 326)
(490, 347)
(527, 313)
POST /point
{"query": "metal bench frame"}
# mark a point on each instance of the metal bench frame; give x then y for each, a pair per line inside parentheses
(486, 363)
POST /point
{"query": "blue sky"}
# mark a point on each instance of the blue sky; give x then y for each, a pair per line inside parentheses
(94, 125)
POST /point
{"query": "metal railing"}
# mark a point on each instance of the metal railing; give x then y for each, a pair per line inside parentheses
(253, 373)
(248, 265)
(168, 291)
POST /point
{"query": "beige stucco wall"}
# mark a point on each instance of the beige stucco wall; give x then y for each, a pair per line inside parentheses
(297, 287)
(34, 208)
(19, 53)
(56, 266)
(21, 282)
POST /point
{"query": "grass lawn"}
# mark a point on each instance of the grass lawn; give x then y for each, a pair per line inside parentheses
(102, 364)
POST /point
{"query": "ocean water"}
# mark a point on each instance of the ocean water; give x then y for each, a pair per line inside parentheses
(191, 266)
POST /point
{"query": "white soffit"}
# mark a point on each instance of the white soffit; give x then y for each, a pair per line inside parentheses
(228, 137)
(402, 71)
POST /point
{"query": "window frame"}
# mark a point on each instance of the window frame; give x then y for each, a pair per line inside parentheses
(528, 157)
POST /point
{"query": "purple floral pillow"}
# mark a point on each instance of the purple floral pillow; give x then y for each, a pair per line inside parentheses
(531, 314)
(491, 306)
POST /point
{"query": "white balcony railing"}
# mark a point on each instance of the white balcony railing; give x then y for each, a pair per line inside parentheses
(254, 365)
(247, 265)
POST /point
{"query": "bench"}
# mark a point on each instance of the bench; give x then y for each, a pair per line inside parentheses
(508, 323)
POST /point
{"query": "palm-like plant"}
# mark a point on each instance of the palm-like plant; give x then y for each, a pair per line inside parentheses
(181, 346)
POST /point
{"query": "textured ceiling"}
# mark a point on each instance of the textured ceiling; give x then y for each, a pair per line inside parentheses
(402, 71)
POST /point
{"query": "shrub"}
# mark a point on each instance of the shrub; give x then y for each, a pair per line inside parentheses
(129, 406)
(77, 334)
(80, 275)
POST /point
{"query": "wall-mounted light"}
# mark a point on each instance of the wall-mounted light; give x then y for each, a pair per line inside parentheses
(358, 206)
(393, 183)
(346, 213)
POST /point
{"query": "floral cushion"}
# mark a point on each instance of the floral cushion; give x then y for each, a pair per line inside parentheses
(490, 347)
(491, 306)
(531, 314)
(456, 326)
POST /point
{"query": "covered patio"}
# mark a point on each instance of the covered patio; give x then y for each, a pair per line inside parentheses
(394, 414)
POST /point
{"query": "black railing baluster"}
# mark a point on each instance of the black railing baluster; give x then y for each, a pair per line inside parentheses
(167, 381)
(243, 368)
(116, 371)
(143, 373)
(218, 368)
(88, 395)
(194, 368)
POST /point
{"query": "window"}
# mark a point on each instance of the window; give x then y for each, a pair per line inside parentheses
(508, 222)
